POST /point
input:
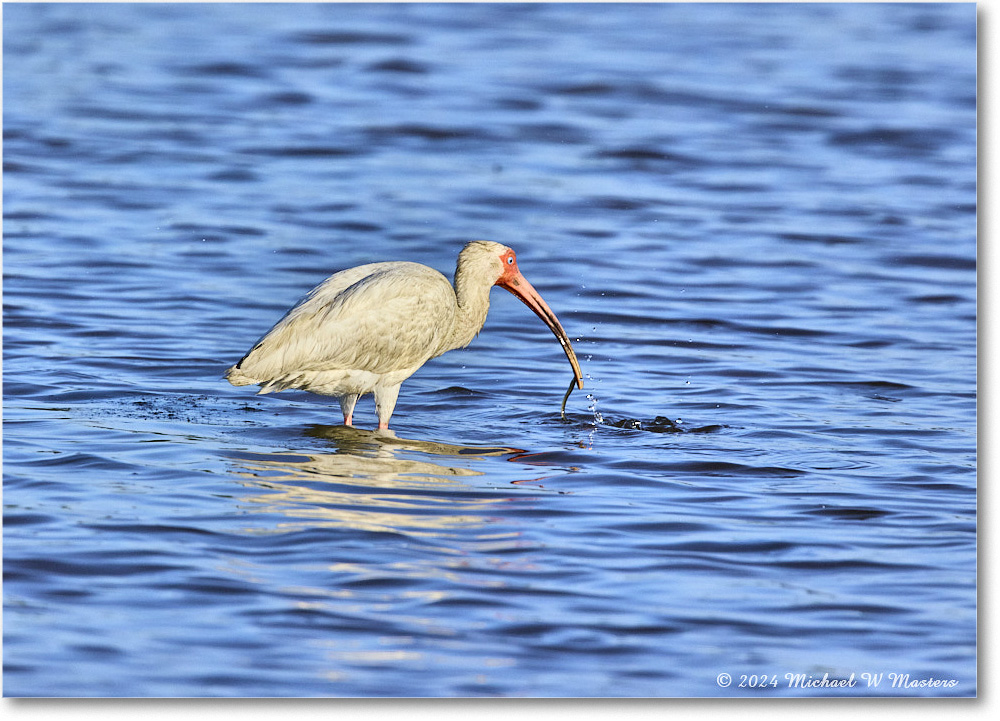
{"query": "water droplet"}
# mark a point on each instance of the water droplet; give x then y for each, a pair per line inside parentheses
(598, 418)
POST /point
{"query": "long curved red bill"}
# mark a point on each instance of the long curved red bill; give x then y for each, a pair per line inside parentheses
(520, 287)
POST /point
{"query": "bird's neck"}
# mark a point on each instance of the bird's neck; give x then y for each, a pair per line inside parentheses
(473, 300)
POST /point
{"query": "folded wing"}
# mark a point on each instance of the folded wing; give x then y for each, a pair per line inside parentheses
(380, 318)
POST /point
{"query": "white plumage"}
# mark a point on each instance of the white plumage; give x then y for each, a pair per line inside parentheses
(367, 329)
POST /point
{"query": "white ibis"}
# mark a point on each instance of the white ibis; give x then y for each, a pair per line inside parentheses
(367, 329)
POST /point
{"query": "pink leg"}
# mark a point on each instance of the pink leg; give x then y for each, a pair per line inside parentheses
(347, 407)
(385, 401)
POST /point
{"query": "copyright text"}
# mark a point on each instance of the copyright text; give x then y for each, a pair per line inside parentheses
(867, 679)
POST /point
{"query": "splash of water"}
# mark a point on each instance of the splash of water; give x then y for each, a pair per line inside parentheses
(598, 418)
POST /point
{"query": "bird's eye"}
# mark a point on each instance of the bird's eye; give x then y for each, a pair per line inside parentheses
(510, 260)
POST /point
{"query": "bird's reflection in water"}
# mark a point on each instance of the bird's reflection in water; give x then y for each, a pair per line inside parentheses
(375, 481)
(348, 439)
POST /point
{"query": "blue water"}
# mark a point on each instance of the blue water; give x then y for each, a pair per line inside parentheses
(757, 222)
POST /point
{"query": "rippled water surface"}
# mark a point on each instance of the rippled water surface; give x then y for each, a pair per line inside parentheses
(757, 223)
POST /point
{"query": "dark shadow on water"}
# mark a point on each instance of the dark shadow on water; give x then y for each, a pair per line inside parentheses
(660, 424)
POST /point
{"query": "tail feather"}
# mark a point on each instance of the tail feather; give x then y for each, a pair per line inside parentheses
(237, 377)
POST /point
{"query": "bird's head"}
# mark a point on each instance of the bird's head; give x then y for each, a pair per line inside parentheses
(485, 261)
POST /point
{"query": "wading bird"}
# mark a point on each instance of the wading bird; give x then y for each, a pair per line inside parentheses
(367, 329)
